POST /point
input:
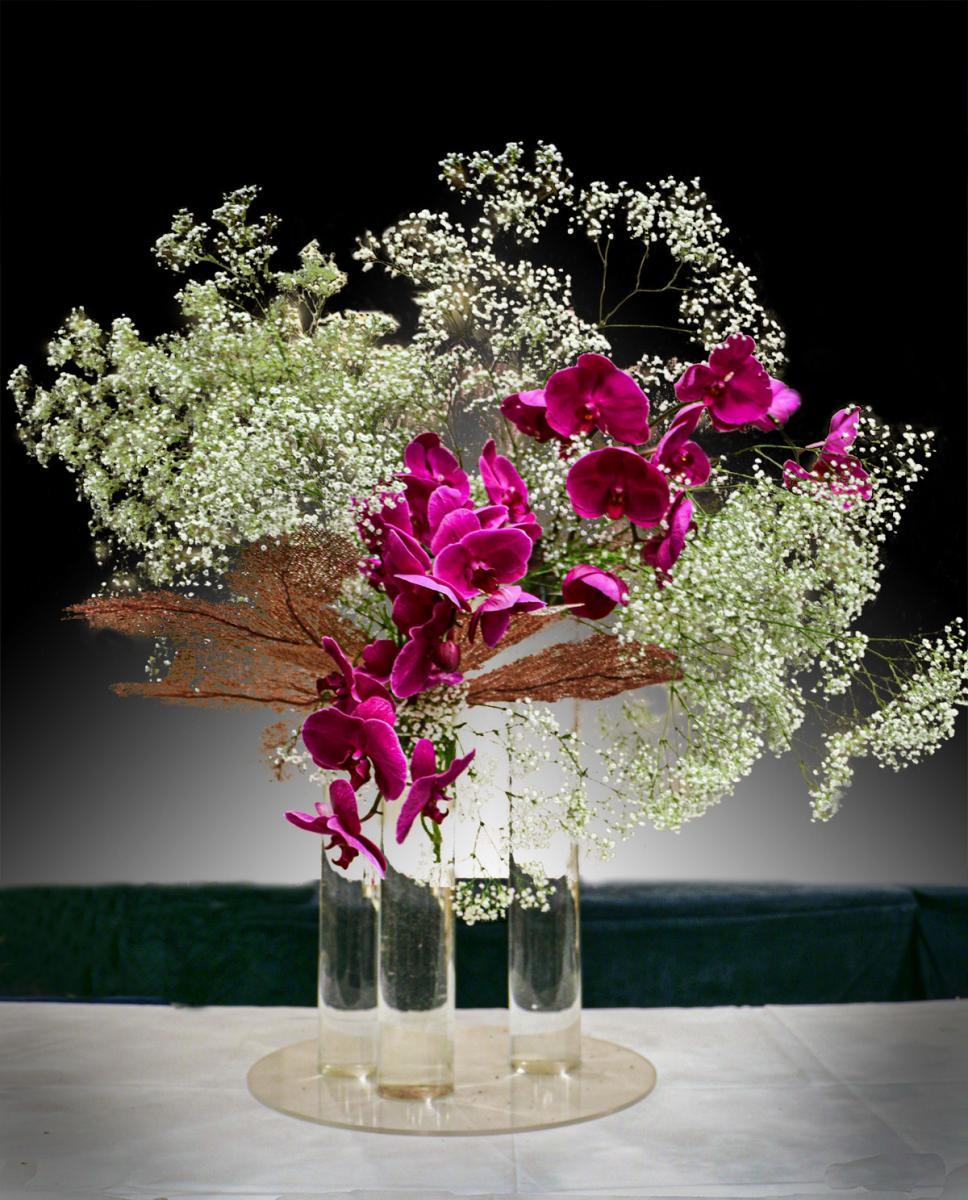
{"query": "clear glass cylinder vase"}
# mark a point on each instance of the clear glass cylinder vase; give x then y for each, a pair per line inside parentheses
(347, 991)
(416, 984)
(544, 959)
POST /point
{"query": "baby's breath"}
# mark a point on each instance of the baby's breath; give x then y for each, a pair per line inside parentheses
(265, 414)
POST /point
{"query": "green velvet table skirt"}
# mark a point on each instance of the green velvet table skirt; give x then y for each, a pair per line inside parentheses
(644, 945)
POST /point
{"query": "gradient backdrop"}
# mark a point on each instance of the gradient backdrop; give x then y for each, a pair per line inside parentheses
(830, 138)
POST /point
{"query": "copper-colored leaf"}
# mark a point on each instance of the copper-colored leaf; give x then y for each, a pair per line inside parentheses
(593, 669)
(262, 650)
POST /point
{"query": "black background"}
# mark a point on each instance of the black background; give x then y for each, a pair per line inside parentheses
(829, 135)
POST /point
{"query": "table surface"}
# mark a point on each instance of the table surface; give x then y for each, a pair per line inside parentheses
(145, 1103)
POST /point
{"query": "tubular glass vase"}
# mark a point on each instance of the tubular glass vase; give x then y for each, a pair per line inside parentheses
(347, 993)
(416, 987)
(544, 959)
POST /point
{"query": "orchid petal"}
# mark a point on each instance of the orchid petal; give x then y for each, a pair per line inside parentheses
(382, 747)
(343, 801)
(423, 760)
(452, 528)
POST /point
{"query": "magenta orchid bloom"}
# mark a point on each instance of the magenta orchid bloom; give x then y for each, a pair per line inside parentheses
(428, 786)
(373, 528)
(841, 472)
(482, 560)
(529, 412)
(428, 459)
(593, 593)
(428, 660)
(378, 659)
(495, 613)
(341, 822)
(443, 501)
(409, 582)
(664, 547)
(357, 741)
(415, 605)
(495, 516)
(842, 432)
(429, 465)
(394, 513)
(402, 555)
(595, 394)
(616, 482)
(784, 403)
(733, 385)
(684, 459)
(461, 521)
(404, 560)
(349, 686)
(503, 484)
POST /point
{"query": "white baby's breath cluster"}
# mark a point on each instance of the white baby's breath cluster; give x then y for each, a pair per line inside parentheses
(554, 773)
(437, 714)
(489, 899)
(535, 742)
(716, 292)
(908, 728)
(760, 614)
(478, 900)
(502, 322)
(493, 324)
(263, 414)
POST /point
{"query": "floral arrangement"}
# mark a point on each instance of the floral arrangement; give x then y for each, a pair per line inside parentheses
(657, 515)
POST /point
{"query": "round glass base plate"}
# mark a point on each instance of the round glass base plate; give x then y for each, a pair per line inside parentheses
(488, 1096)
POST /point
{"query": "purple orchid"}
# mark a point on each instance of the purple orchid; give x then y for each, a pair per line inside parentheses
(409, 583)
(458, 522)
(732, 385)
(595, 394)
(443, 501)
(429, 465)
(341, 822)
(429, 658)
(402, 555)
(378, 659)
(495, 516)
(842, 432)
(842, 473)
(394, 513)
(593, 593)
(350, 687)
(495, 613)
(357, 741)
(616, 482)
(428, 786)
(482, 560)
(428, 459)
(684, 459)
(784, 403)
(529, 412)
(664, 547)
(503, 484)
(461, 521)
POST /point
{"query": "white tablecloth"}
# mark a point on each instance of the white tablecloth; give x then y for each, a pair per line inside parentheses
(147, 1102)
